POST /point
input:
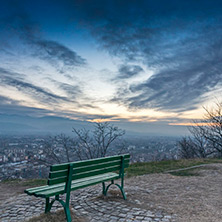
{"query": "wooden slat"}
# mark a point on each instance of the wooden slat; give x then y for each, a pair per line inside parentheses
(29, 190)
(98, 166)
(95, 172)
(60, 167)
(63, 173)
(51, 192)
(84, 175)
(43, 188)
(57, 180)
(77, 184)
(57, 174)
(92, 182)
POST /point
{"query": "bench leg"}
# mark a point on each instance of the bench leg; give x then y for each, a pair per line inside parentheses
(122, 191)
(68, 214)
(105, 189)
(67, 211)
(121, 187)
(66, 207)
(47, 205)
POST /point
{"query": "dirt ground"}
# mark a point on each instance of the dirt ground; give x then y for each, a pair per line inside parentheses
(8, 190)
(58, 216)
(191, 198)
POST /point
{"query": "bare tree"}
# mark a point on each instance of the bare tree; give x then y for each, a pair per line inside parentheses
(96, 143)
(206, 137)
(211, 130)
(201, 145)
(57, 149)
(66, 144)
(187, 148)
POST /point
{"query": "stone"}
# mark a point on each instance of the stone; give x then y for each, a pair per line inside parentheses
(86, 203)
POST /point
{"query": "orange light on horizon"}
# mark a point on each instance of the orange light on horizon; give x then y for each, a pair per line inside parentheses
(191, 124)
(100, 120)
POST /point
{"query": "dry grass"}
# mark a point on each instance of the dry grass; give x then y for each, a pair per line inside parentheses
(136, 169)
(58, 216)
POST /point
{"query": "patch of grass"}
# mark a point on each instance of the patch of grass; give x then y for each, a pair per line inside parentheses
(186, 173)
(163, 166)
(35, 182)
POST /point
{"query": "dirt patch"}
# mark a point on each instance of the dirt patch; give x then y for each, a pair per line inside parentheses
(11, 188)
(8, 190)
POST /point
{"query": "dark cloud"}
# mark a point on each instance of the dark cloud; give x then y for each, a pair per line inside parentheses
(12, 107)
(180, 41)
(182, 86)
(5, 100)
(8, 78)
(74, 93)
(174, 89)
(127, 71)
(20, 29)
(8, 73)
(71, 90)
(58, 55)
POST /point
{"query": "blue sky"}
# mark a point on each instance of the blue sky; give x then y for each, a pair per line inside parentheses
(132, 62)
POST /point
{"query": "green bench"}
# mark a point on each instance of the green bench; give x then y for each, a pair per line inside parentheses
(63, 178)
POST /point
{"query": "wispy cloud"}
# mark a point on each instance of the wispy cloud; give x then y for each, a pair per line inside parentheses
(181, 88)
(22, 30)
(127, 71)
(8, 78)
(23, 37)
(58, 55)
(73, 91)
(13, 107)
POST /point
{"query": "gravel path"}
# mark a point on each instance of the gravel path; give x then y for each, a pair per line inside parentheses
(155, 197)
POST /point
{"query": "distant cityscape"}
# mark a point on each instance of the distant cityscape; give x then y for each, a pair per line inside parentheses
(20, 156)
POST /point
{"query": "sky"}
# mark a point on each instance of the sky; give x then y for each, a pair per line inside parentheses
(141, 64)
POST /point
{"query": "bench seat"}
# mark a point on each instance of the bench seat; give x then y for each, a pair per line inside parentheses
(52, 190)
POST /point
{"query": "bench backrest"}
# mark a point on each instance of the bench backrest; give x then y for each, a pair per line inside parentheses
(82, 169)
